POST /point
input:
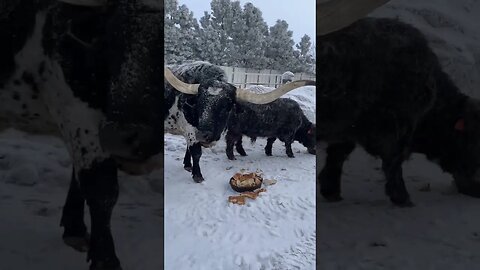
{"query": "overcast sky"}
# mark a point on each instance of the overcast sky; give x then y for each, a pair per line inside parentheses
(299, 14)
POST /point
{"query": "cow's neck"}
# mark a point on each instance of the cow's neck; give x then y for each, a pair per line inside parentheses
(438, 135)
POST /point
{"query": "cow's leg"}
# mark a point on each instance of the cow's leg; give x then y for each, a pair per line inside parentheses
(329, 178)
(239, 147)
(75, 232)
(392, 160)
(99, 183)
(95, 170)
(196, 152)
(288, 147)
(230, 139)
(395, 187)
(268, 147)
(187, 162)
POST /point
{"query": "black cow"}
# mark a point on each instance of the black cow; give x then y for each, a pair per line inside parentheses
(282, 119)
(381, 86)
(79, 71)
(199, 110)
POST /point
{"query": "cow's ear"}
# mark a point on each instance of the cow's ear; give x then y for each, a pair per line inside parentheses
(460, 125)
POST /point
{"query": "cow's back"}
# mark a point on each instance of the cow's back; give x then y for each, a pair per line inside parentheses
(373, 67)
(282, 116)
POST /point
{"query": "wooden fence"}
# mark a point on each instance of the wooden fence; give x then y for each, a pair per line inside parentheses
(242, 77)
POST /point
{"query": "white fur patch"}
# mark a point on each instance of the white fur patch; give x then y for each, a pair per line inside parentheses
(214, 91)
(177, 124)
(54, 108)
(79, 122)
(20, 106)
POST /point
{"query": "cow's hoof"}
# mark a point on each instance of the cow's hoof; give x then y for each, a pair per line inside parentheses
(403, 203)
(198, 179)
(188, 169)
(231, 157)
(106, 266)
(332, 197)
(80, 244)
(291, 156)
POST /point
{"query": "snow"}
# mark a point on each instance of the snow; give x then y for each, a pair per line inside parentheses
(275, 231)
(365, 231)
(34, 178)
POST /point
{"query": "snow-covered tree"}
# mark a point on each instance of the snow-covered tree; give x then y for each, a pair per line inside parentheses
(249, 39)
(228, 34)
(181, 33)
(303, 56)
(211, 47)
(216, 33)
(280, 46)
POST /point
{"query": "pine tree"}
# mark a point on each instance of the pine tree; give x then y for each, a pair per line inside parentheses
(216, 33)
(209, 42)
(280, 46)
(250, 40)
(181, 33)
(303, 57)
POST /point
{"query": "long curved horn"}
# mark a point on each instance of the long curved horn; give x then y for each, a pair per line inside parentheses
(88, 3)
(183, 87)
(336, 14)
(249, 96)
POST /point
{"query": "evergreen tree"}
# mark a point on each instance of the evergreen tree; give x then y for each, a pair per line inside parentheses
(304, 59)
(181, 29)
(217, 31)
(211, 48)
(250, 39)
(232, 36)
(280, 46)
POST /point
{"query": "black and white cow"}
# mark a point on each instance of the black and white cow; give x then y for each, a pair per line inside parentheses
(282, 119)
(79, 70)
(200, 109)
(382, 86)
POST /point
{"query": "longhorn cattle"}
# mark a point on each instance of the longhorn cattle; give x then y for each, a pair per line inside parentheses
(382, 86)
(199, 110)
(69, 69)
(282, 119)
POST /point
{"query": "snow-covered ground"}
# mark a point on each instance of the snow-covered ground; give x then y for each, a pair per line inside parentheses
(275, 231)
(34, 177)
(443, 230)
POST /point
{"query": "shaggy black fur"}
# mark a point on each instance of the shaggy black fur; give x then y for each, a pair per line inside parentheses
(381, 86)
(111, 58)
(282, 118)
